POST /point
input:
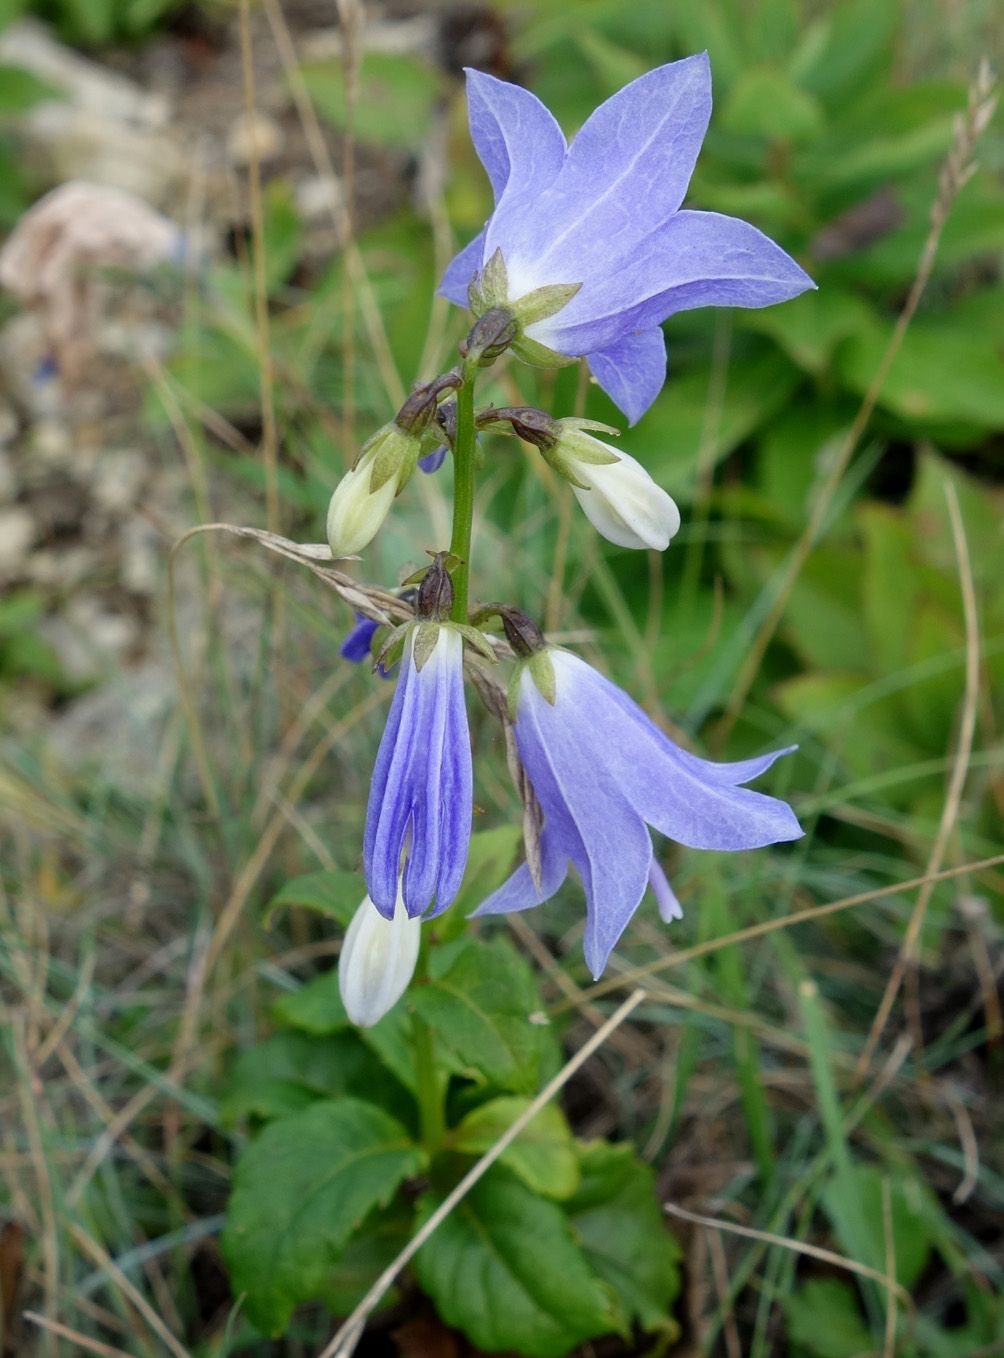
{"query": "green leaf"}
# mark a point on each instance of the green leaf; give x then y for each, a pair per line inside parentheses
(763, 102)
(809, 328)
(20, 89)
(909, 1199)
(315, 1008)
(481, 1012)
(824, 1318)
(380, 1239)
(670, 438)
(335, 894)
(299, 1192)
(940, 373)
(283, 234)
(622, 1230)
(490, 860)
(543, 1155)
(292, 1070)
(396, 97)
(504, 1267)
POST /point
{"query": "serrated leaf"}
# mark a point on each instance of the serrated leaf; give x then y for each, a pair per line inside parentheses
(543, 1155)
(291, 1070)
(480, 1011)
(336, 894)
(623, 1233)
(299, 1192)
(504, 1267)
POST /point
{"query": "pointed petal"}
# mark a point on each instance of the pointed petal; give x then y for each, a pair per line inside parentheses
(555, 746)
(665, 897)
(695, 259)
(456, 790)
(627, 170)
(439, 779)
(515, 136)
(388, 811)
(520, 891)
(632, 371)
(462, 269)
(671, 794)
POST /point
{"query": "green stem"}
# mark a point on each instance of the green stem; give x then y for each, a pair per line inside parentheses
(430, 1092)
(463, 494)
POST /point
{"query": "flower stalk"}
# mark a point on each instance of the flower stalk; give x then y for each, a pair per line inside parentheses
(463, 491)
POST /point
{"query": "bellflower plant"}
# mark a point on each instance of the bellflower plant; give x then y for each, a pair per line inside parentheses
(604, 214)
(603, 772)
(586, 253)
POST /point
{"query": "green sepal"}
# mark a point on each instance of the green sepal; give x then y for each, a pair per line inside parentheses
(574, 422)
(543, 302)
(447, 559)
(542, 673)
(426, 638)
(493, 285)
(393, 648)
(556, 462)
(538, 355)
(476, 639)
(390, 458)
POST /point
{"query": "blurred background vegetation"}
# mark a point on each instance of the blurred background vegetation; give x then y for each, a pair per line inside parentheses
(134, 964)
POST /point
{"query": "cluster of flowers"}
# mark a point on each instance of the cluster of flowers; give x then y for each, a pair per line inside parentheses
(586, 252)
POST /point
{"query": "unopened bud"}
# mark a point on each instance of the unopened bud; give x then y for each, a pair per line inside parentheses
(419, 410)
(522, 633)
(435, 593)
(377, 961)
(489, 337)
(616, 493)
(362, 499)
(531, 425)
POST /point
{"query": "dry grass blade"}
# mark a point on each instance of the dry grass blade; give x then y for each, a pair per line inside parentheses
(956, 170)
(269, 438)
(953, 797)
(799, 1246)
(348, 1335)
(677, 959)
(104, 1261)
(75, 1337)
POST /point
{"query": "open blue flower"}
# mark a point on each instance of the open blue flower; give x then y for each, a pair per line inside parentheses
(604, 213)
(421, 794)
(603, 773)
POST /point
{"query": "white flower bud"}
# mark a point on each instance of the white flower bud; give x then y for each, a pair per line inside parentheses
(355, 512)
(363, 497)
(377, 961)
(619, 497)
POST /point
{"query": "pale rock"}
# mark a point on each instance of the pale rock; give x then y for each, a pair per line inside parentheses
(260, 137)
(117, 480)
(17, 535)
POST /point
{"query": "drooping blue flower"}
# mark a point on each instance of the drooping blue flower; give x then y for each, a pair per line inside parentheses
(603, 773)
(356, 646)
(420, 801)
(605, 213)
(432, 461)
